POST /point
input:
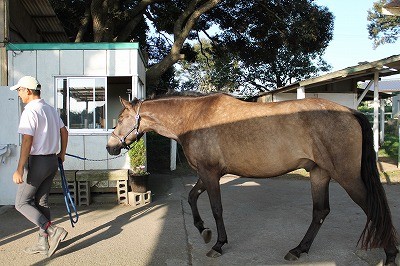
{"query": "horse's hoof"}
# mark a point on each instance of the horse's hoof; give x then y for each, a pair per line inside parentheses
(213, 254)
(291, 257)
(206, 234)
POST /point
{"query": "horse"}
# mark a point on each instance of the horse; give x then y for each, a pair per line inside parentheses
(220, 135)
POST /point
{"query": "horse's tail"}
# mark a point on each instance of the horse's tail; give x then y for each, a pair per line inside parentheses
(379, 230)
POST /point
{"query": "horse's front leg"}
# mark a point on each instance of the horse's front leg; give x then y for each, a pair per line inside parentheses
(198, 222)
(210, 179)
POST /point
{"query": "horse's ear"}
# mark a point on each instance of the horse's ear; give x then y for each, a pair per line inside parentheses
(125, 103)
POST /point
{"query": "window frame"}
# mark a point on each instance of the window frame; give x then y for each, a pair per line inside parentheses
(82, 131)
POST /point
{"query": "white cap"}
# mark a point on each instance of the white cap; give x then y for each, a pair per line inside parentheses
(27, 82)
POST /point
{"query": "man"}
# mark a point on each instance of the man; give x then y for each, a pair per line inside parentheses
(42, 130)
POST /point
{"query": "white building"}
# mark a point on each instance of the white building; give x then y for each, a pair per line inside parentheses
(84, 82)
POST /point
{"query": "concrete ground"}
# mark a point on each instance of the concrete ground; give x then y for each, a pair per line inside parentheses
(264, 218)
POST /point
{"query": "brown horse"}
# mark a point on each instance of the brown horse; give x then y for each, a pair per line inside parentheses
(220, 135)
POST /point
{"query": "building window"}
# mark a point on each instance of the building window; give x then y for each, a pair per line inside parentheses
(90, 103)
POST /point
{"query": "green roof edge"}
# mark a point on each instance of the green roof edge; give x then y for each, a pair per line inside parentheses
(72, 46)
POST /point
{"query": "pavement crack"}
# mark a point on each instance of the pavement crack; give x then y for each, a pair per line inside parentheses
(189, 246)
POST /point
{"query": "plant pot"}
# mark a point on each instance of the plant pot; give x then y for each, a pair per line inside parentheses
(139, 183)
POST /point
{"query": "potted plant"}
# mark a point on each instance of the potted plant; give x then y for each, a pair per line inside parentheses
(138, 175)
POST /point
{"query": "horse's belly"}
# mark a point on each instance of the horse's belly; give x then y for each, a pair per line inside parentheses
(269, 168)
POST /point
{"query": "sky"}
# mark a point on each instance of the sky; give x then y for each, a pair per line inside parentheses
(350, 44)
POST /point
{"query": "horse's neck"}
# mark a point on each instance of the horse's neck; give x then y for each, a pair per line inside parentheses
(169, 117)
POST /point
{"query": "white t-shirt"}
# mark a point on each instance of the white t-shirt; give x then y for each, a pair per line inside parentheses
(41, 121)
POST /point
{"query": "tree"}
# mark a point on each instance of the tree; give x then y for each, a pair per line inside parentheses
(275, 45)
(277, 42)
(382, 28)
(261, 42)
(122, 20)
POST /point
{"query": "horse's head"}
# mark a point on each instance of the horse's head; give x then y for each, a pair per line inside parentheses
(127, 129)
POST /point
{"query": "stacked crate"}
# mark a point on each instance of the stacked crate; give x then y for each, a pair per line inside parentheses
(85, 178)
(56, 187)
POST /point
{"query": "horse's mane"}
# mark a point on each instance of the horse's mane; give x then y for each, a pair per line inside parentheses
(179, 94)
(170, 94)
(190, 94)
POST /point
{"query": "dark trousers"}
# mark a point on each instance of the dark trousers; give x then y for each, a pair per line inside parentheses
(32, 195)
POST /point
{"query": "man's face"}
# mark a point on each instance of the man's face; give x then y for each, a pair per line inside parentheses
(23, 93)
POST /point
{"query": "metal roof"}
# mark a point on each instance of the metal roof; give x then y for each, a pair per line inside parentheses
(362, 72)
(46, 20)
(387, 85)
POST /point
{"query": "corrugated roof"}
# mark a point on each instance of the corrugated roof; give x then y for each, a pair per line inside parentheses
(386, 67)
(387, 85)
(46, 20)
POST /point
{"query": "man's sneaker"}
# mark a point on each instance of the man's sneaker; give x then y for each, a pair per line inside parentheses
(56, 235)
(41, 247)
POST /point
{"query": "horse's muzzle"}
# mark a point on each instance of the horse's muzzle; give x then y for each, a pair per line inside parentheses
(115, 150)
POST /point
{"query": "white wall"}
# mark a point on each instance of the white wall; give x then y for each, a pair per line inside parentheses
(8, 135)
(346, 99)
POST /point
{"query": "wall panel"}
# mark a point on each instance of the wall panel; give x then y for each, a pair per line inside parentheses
(71, 62)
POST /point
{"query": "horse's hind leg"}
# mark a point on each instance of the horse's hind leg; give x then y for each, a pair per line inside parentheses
(198, 222)
(320, 195)
(356, 191)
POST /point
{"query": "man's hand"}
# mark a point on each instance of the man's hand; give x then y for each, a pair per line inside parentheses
(61, 156)
(18, 177)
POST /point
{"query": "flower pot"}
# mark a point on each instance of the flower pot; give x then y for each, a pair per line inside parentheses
(139, 182)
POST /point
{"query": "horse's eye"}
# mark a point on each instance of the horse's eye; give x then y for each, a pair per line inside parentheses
(114, 127)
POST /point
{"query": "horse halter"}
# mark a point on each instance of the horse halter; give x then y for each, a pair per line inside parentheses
(135, 128)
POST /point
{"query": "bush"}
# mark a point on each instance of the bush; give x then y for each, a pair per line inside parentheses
(137, 157)
(391, 146)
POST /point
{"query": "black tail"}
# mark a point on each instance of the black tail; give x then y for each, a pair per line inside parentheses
(379, 230)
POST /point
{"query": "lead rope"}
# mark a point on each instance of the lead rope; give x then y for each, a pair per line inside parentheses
(69, 202)
(95, 160)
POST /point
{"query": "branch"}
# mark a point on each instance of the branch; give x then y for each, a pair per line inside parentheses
(212, 39)
(184, 16)
(202, 50)
(137, 14)
(185, 23)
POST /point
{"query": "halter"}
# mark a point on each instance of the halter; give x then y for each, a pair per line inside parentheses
(135, 128)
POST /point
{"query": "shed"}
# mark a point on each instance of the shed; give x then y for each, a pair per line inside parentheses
(84, 82)
(342, 87)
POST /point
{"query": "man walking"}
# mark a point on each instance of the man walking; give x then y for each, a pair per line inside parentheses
(42, 132)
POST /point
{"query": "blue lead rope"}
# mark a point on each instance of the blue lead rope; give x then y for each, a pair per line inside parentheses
(69, 202)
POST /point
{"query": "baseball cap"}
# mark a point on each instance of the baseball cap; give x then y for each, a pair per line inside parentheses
(27, 82)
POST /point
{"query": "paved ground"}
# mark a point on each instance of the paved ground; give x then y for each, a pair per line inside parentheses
(264, 218)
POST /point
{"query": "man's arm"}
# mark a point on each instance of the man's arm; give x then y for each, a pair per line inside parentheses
(64, 143)
(26, 145)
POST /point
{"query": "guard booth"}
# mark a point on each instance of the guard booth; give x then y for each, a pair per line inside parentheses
(84, 82)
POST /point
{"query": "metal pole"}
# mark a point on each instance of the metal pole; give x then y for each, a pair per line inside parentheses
(382, 122)
(376, 113)
(173, 155)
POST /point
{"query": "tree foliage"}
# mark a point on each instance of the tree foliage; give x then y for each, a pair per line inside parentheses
(382, 28)
(276, 41)
(208, 72)
(260, 43)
